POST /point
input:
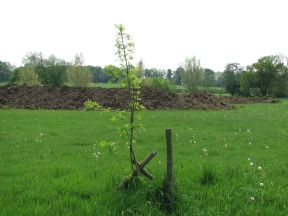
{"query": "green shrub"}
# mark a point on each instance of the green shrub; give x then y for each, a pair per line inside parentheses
(158, 83)
(93, 106)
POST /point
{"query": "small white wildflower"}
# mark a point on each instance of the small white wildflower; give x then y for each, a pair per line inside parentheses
(159, 162)
(251, 163)
(94, 154)
(248, 130)
(252, 198)
(98, 153)
(259, 168)
(41, 134)
(249, 159)
(205, 150)
(194, 142)
(261, 184)
(250, 143)
(267, 147)
(226, 145)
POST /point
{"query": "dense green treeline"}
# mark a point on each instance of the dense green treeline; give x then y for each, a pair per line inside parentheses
(267, 76)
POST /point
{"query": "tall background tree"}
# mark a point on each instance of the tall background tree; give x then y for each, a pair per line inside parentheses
(267, 70)
(208, 77)
(140, 72)
(192, 74)
(28, 75)
(177, 77)
(231, 78)
(5, 71)
(169, 74)
(77, 74)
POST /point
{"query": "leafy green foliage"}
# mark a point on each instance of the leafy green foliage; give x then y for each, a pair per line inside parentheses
(15, 76)
(77, 74)
(231, 78)
(28, 75)
(192, 74)
(177, 77)
(5, 71)
(93, 106)
(247, 82)
(208, 77)
(158, 83)
(50, 71)
(129, 81)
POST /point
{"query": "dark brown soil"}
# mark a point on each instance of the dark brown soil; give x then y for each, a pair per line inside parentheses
(68, 98)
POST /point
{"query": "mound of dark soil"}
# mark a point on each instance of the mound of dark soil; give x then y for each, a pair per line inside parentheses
(38, 97)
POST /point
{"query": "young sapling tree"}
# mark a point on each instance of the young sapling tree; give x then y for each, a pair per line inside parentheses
(130, 82)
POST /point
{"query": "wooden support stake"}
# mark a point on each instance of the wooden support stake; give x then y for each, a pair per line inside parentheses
(145, 172)
(169, 174)
(147, 159)
(143, 164)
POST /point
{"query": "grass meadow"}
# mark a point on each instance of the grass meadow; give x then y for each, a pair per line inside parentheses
(229, 162)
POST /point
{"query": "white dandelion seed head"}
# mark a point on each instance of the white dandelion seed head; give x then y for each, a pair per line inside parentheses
(261, 184)
(251, 163)
(252, 198)
(259, 168)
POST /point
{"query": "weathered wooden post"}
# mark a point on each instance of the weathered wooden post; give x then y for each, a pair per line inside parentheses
(169, 202)
(169, 172)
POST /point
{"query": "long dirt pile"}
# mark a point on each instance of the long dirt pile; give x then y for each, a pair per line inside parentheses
(70, 98)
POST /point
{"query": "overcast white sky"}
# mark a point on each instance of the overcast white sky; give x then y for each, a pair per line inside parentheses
(164, 31)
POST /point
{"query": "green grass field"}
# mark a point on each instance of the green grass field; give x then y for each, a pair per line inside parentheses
(55, 163)
(105, 85)
(174, 88)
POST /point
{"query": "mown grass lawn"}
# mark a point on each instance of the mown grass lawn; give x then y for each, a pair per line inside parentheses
(56, 163)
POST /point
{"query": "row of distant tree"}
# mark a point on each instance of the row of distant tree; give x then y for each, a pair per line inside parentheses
(268, 76)
(55, 72)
